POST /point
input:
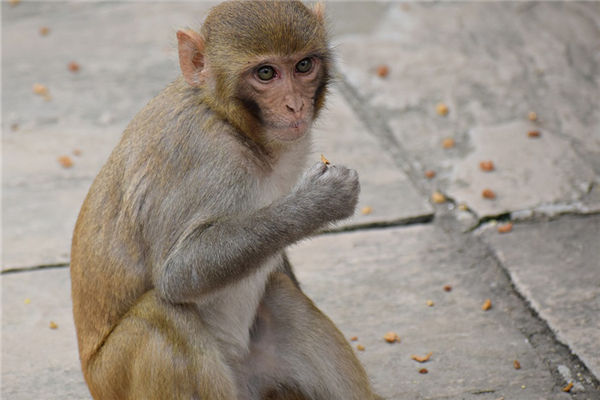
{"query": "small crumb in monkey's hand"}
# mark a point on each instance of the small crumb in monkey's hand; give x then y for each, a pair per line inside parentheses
(53, 325)
(447, 288)
(354, 338)
(488, 194)
(391, 337)
(487, 304)
(324, 160)
(568, 387)
(366, 210)
(429, 174)
(505, 228)
(448, 143)
(73, 66)
(423, 371)
(486, 166)
(44, 30)
(65, 161)
(532, 116)
(429, 303)
(437, 197)
(383, 71)
(516, 364)
(441, 109)
(360, 347)
(422, 359)
(533, 134)
(77, 152)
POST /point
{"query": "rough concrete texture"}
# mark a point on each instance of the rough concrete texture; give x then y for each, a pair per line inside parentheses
(557, 268)
(490, 63)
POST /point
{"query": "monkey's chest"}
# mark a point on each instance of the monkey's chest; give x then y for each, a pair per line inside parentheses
(230, 312)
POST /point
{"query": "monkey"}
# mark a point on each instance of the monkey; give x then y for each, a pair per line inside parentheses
(180, 283)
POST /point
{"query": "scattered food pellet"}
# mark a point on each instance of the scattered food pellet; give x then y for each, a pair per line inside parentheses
(14, 2)
(324, 160)
(366, 210)
(486, 305)
(447, 288)
(14, 127)
(360, 347)
(429, 174)
(383, 71)
(27, 301)
(429, 303)
(40, 89)
(441, 109)
(73, 66)
(488, 194)
(463, 207)
(422, 359)
(532, 116)
(517, 364)
(77, 152)
(53, 325)
(423, 371)
(533, 134)
(65, 161)
(505, 228)
(44, 30)
(523, 386)
(354, 338)
(391, 337)
(437, 197)
(568, 387)
(448, 143)
(486, 166)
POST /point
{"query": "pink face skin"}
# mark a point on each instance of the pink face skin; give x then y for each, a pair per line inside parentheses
(284, 90)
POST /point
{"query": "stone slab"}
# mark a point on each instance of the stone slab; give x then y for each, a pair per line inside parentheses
(556, 266)
(372, 282)
(491, 63)
(387, 195)
(39, 362)
(528, 171)
(89, 109)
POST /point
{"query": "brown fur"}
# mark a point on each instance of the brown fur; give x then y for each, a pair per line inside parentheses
(180, 284)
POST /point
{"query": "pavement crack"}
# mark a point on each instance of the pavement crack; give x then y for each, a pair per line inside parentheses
(17, 270)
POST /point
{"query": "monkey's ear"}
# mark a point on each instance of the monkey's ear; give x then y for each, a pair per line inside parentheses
(191, 56)
(319, 10)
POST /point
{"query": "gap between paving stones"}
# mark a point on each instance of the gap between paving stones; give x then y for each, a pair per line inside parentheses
(557, 355)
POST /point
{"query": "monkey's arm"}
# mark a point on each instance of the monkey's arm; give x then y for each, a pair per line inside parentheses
(212, 254)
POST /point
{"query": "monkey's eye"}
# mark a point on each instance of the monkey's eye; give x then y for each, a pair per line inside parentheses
(304, 65)
(265, 73)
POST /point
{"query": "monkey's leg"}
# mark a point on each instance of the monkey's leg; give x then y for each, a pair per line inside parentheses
(159, 351)
(298, 353)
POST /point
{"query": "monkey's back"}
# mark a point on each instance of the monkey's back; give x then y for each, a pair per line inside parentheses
(161, 174)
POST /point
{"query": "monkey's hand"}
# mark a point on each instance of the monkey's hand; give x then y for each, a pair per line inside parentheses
(328, 192)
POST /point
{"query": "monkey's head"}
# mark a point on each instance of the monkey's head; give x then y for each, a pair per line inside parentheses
(261, 65)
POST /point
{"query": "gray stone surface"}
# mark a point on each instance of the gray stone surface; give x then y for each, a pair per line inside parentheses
(491, 63)
(373, 282)
(528, 171)
(39, 362)
(41, 199)
(556, 266)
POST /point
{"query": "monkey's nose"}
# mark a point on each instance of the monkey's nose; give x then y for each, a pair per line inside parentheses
(294, 105)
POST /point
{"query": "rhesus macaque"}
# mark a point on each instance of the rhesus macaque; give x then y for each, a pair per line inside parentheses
(181, 287)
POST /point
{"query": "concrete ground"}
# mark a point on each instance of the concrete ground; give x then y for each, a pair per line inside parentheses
(491, 64)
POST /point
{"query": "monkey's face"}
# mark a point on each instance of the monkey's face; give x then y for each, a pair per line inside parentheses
(281, 93)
